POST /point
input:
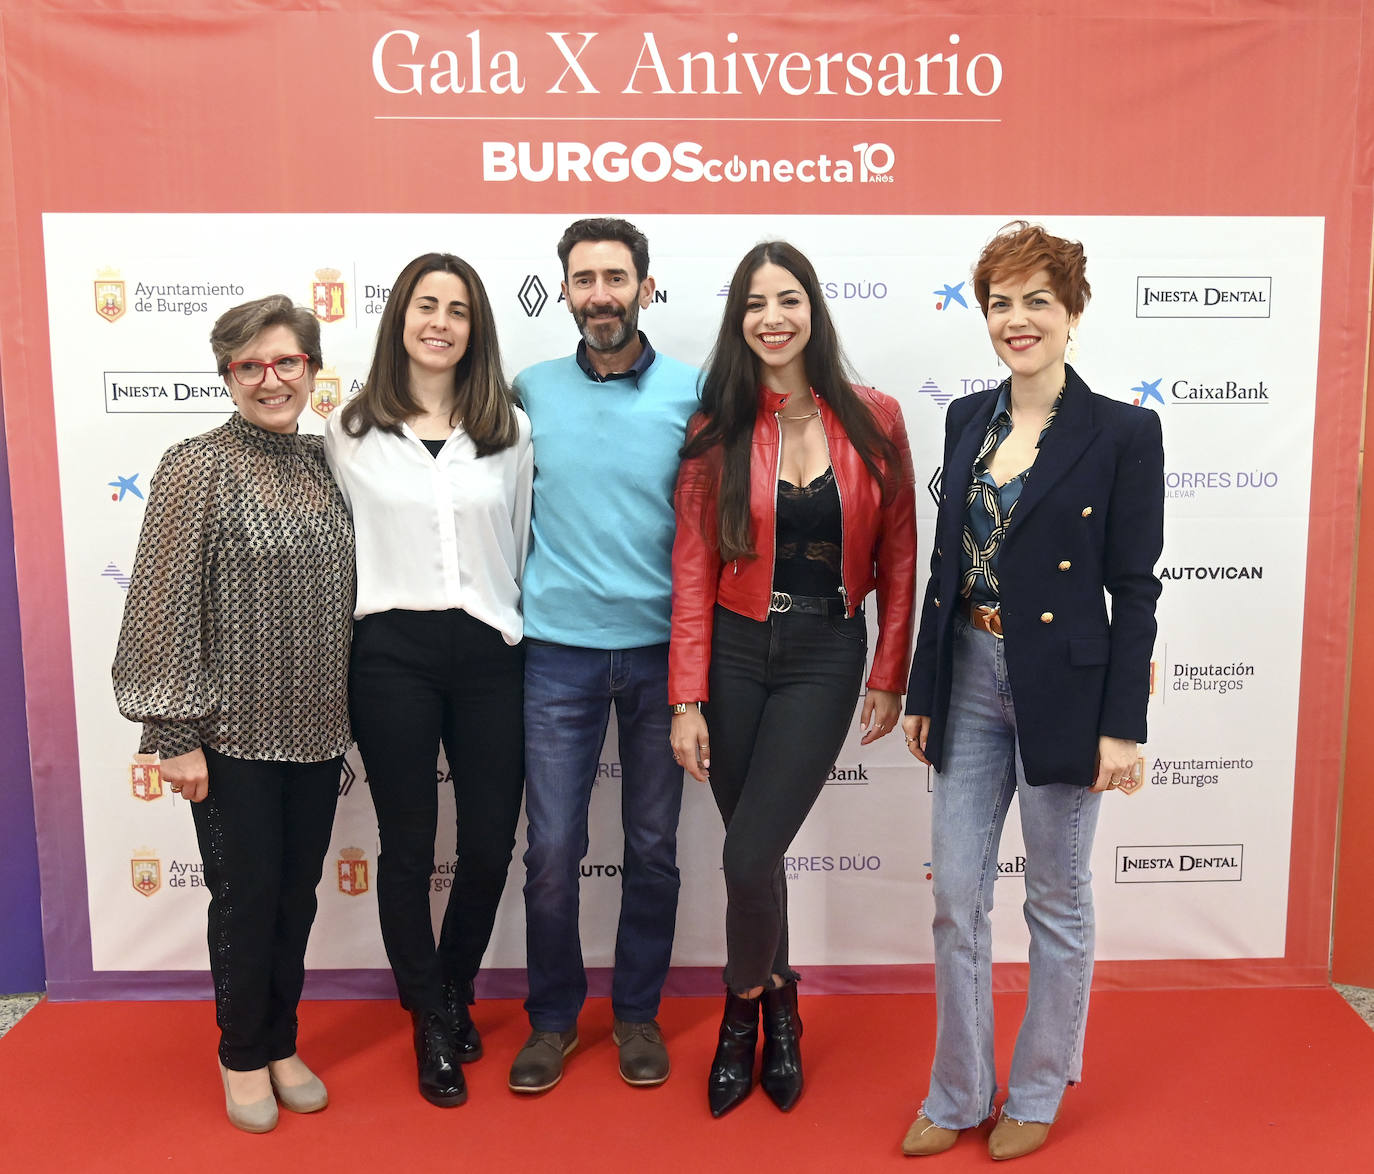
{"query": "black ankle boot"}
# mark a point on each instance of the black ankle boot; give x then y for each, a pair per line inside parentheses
(467, 1042)
(441, 1077)
(732, 1070)
(782, 1029)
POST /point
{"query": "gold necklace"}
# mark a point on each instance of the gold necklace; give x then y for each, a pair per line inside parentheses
(808, 416)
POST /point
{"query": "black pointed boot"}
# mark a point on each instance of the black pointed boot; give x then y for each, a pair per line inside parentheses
(732, 1070)
(782, 1029)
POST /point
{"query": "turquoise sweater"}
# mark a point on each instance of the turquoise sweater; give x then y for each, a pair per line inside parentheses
(599, 573)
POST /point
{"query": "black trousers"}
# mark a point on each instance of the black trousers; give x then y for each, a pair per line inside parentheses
(783, 692)
(417, 679)
(263, 831)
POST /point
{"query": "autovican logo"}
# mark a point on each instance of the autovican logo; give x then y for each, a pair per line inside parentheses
(654, 162)
(1156, 863)
(1203, 297)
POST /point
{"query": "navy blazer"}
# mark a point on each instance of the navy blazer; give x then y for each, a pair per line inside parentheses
(1091, 515)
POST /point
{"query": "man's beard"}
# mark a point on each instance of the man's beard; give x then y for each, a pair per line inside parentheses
(593, 329)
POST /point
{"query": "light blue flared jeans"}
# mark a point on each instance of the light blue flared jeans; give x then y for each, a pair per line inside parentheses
(982, 772)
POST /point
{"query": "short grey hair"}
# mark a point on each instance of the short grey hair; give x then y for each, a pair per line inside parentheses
(236, 328)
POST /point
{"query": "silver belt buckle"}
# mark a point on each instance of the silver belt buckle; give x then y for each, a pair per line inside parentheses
(780, 601)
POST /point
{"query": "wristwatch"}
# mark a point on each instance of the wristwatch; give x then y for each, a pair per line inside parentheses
(683, 706)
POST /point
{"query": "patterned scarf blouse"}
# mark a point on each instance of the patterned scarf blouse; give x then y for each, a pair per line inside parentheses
(988, 507)
(240, 611)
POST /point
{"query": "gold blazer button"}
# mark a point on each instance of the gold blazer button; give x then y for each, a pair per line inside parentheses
(1047, 617)
(1087, 510)
(1065, 565)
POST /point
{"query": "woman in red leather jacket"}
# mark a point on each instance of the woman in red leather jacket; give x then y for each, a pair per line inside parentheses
(794, 501)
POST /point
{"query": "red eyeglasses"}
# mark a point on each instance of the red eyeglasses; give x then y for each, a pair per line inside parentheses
(251, 372)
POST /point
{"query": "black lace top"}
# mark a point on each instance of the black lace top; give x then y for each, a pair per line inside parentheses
(809, 532)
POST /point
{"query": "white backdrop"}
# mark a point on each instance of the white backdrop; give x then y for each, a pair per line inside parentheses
(1210, 322)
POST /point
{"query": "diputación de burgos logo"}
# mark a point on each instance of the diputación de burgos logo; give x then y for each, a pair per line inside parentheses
(654, 162)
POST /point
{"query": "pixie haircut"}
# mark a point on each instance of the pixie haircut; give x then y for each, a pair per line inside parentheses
(606, 228)
(1020, 249)
(235, 329)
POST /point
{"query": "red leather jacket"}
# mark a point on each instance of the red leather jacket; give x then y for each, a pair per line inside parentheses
(878, 545)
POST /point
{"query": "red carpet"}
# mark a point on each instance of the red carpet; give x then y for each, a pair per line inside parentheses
(1179, 1081)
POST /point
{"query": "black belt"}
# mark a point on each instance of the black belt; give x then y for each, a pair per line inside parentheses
(812, 605)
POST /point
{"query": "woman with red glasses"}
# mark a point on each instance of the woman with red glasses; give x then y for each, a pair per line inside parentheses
(233, 654)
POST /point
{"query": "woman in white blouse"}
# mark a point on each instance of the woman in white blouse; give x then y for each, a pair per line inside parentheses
(434, 459)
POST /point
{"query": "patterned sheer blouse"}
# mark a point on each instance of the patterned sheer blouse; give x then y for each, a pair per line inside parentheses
(988, 507)
(240, 611)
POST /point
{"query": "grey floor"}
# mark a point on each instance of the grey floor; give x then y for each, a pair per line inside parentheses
(14, 1007)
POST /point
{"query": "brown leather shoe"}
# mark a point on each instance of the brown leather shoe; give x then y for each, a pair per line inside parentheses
(538, 1066)
(925, 1138)
(1011, 1138)
(643, 1054)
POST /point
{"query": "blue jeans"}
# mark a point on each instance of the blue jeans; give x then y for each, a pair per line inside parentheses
(982, 772)
(568, 696)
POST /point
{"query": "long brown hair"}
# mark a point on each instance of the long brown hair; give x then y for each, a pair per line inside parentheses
(729, 398)
(483, 402)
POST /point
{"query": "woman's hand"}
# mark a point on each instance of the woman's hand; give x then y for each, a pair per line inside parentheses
(1116, 763)
(916, 728)
(879, 715)
(187, 775)
(691, 743)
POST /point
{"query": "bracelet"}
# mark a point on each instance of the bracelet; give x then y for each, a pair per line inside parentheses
(681, 707)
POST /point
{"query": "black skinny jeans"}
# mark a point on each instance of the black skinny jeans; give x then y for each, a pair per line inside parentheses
(783, 692)
(263, 831)
(419, 678)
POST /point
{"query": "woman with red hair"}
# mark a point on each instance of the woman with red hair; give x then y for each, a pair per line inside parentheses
(1024, 684)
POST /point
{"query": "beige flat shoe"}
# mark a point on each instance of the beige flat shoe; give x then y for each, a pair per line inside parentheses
(310, 1096)
(258, 1116)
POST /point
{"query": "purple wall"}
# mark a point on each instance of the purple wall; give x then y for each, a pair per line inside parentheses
(21, 930)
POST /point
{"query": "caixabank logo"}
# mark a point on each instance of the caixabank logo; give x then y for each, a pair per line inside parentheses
(1008, 868)
(948, 296)
(1201, 391)
(1179, 863)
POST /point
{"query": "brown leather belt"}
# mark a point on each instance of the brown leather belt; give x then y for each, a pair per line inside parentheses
(984, 617)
